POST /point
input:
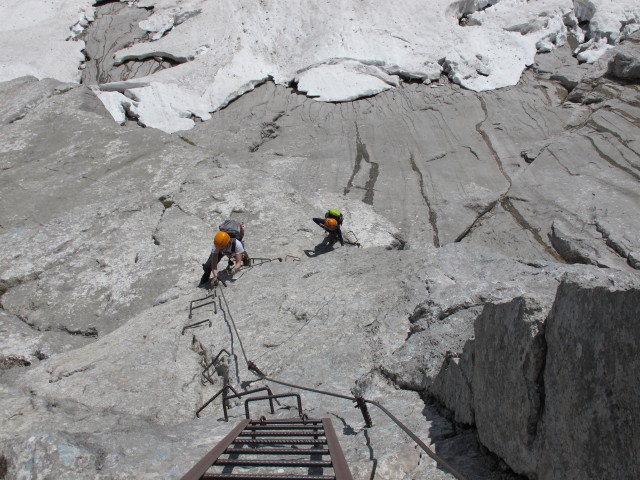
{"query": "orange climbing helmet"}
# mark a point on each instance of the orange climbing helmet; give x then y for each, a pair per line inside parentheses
(221, 240)
(331, 223)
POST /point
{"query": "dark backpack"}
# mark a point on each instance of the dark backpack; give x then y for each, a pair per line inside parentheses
(335, 213)
(233, 228)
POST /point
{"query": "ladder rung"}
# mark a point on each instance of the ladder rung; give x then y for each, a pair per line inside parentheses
(274, 445)
(277, 451)
(272, 463)
(280, 434)
(283, 427)
(249, 476)
(286, 421)
(280, 441)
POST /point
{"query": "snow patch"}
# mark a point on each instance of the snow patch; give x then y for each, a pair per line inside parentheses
(115, 104)
(34, 34)
(227, 48)
(343, 81)
(166, 107)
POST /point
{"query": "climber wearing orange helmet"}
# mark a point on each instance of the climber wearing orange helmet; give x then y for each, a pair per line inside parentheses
(224, 244)
(331, 224)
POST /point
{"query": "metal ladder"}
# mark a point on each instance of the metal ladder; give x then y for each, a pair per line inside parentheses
(261, 446)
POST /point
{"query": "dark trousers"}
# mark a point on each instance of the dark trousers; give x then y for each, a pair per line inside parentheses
(208, 265)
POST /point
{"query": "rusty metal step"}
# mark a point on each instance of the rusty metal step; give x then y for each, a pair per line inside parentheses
(318, 432)
(280, 441)
(272, 463)
(284, 433)
(284, 427)
(249, 476)
(292, 421)
(277, 451)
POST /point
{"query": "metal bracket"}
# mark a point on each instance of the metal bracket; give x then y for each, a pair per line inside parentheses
(205, 372)
(354, 243)
(362, 405)
(193, 325)
(208, 297)
(254, 368)
(236, 394)
(270, 398)
(257, 261)
(225, 398)
(224, 389)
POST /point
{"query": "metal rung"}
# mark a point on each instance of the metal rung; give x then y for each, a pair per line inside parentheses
(287, 421)
(280, 441)
(277, 451)
(212, 300)
(328, 451)
(272, 463)
(249, 476)
(280, 434)
(284, 427)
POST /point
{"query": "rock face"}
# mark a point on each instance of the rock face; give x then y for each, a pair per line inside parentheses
(509, 349)
(591, 379)
(570, 370)
(498, 278)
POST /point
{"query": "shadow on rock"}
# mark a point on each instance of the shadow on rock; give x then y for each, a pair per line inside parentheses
(325, 246)
(459, 446)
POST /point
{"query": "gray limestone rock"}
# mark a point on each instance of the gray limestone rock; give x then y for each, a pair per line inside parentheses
(590, 427)
(537, 379)
(461, 280)
(465, 243)
(452, 386)
(625, 61)
(508, 391)
(22, 95)
(625, 67)
(581, 245)
(561, 66)
(114, 28)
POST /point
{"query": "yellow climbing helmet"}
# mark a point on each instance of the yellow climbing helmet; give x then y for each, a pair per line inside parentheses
(331, 223)
(221, 240)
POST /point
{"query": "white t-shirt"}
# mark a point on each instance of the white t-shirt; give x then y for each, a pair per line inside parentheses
(239, 248)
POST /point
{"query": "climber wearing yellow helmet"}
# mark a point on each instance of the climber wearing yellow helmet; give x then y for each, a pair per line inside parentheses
(331, 223)
(227, 242)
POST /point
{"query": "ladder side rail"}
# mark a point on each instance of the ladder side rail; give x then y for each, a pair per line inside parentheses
(208, 460)
(340, 467)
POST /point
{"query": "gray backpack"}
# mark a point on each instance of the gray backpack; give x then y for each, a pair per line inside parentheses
(233, 228)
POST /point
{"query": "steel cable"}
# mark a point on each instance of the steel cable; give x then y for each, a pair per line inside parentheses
(244, 354)
(256, 371)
